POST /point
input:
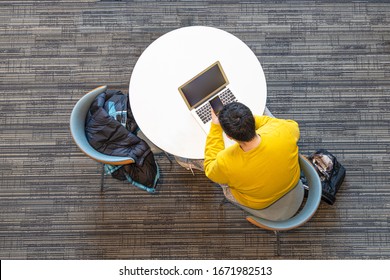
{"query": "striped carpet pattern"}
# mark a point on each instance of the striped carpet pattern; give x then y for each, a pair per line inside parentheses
(327, 65)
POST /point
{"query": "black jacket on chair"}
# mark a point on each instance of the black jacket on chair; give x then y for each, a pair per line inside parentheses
(107, 135)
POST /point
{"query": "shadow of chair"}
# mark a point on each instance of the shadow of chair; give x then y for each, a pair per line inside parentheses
(304, 214)
(77, 129)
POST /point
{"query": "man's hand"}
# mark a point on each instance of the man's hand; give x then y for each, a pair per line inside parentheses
(214, 117)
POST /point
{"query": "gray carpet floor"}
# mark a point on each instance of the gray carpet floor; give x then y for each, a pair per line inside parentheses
(327, 66)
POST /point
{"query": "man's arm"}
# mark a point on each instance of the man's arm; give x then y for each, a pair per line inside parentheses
(214, 144)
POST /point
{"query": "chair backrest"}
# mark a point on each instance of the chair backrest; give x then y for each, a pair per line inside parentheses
(77, 129)
(310, 207)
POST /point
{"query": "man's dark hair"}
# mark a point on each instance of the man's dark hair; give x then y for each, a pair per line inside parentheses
(237, 121)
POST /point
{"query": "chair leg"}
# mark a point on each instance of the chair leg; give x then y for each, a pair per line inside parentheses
(223, 202)
(166, 154)
(277, 242)
(102, 179)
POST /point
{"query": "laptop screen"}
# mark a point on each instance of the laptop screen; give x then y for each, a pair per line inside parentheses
(204, 85)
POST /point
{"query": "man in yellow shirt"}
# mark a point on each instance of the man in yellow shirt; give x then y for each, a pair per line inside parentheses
(262, 166)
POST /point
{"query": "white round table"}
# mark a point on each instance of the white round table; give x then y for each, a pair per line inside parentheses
(173, 59)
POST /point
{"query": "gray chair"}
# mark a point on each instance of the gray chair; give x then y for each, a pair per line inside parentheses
(305, 212)
(77, 129)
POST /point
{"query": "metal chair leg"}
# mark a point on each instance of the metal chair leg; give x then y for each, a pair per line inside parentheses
(102, 179)
(223, 202)
(277, 242)
(166, 154)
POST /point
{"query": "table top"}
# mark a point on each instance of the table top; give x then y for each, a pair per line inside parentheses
(173, 59)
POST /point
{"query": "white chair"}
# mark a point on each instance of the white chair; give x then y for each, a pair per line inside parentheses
(77, 129)
(304, 214)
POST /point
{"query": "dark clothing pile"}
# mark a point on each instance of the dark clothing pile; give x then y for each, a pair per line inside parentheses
(111, 129)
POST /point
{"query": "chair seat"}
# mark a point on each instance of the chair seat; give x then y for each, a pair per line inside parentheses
(282, 209)
(306, 212)
(77, 128)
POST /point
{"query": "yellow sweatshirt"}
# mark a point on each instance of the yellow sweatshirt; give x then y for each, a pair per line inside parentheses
(261, 176)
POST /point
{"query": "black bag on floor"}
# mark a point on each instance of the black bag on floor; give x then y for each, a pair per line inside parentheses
(331, 173)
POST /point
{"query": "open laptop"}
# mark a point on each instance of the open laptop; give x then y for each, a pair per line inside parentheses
(208, 88)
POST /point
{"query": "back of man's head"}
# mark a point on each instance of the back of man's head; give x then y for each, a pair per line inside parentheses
(237, 121)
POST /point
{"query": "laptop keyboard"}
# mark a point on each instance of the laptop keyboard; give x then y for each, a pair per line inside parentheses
(227, 97)
(204, 111)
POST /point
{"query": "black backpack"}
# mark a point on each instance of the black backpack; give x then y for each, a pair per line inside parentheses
(331, 173)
